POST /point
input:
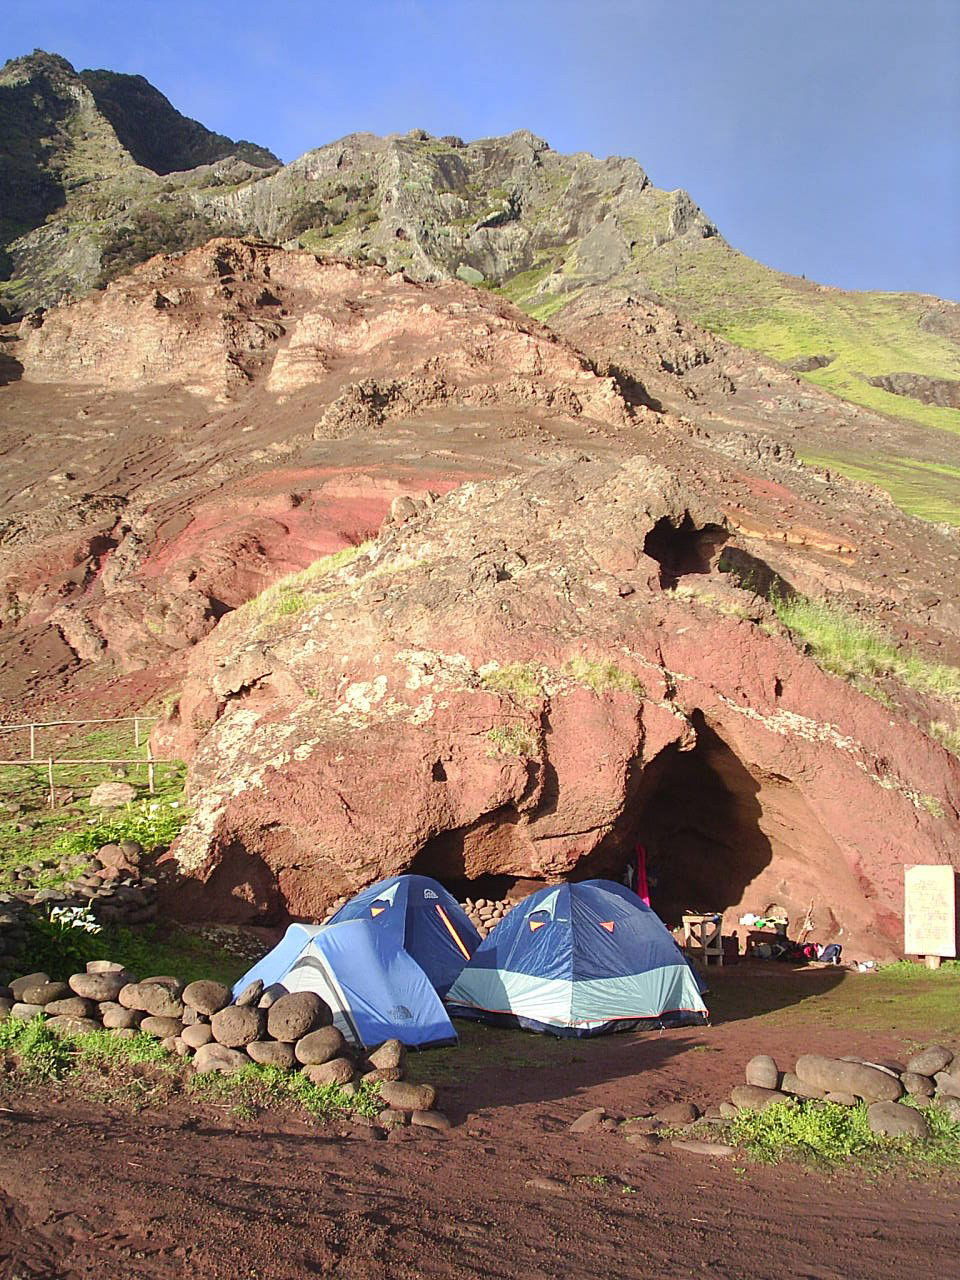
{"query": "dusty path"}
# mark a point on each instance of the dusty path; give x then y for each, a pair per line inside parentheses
(114, 1195)
(194, 1188)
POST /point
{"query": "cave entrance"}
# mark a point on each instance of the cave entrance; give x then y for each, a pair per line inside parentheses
(697, 814)
(683, 548)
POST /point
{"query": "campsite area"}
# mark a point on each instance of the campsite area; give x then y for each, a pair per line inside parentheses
(135, 1174)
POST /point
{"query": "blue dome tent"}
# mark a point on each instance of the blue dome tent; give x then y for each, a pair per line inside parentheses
(420, 916)
(376, 990)
(579, 960)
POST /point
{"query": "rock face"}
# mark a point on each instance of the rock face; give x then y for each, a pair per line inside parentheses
(509, 684)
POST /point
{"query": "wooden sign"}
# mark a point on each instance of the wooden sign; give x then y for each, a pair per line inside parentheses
(929, 911)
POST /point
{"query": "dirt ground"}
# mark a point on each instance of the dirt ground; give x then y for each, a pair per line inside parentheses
(99, 1190)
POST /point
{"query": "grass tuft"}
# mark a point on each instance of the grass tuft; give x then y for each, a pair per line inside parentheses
(603, 677)
(857, 649)
(520, 680)
(285, 596)
(823, 1132)
(826, 1133)
(40, 1052)
(258, 1086)
(512, 740)
(948, 737)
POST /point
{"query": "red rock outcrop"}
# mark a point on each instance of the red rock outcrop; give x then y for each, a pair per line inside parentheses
(509, 683)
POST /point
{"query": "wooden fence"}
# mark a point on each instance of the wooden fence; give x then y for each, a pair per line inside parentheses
(50, 763)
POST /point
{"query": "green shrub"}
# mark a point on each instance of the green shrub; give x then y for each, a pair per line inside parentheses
(51, 947)
(822, 1131)
(154, 824)
(40, 1052)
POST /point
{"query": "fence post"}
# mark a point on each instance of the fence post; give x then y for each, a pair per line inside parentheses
(136, 733)
(151, 771)
(33, 742)
(53, 794)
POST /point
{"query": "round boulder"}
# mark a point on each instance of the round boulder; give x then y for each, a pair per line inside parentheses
(403, 1096)
(929, 1061)
(753, 1098)
(72, 1026)
(151, 997)
(206, 997)
(197, 1036)
(250, 995)
(19, 985)
(320, 1046)
(161, 1028)
(917, 1085)
(272, 1053)
(71, 1007)
(951, 1106)
(791, 1083)
(430, 1120)
(236, 1027)
(46, 993)
(379, 1074)
(896, 1121)
(112, 795)
(116, 1018)
(389, 1056)
(166, 980)
(295, 1015)
(98, 986)
(25, 1012)
(336, 1071)
(948, 1083)
(679, 1113)
(218, 1057)
(762, 1071)
(832, 1075)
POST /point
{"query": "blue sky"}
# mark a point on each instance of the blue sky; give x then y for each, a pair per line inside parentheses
(822, 136)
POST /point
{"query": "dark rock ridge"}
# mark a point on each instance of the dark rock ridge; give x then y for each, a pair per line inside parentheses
(156, 135)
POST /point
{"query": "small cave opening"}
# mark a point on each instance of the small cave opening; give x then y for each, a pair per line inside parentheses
(445, 859)
(684, 548)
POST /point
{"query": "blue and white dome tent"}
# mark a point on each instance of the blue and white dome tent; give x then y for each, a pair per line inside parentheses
(375, 990)
(579, 960)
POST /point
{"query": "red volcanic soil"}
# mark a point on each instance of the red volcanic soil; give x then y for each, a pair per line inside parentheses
(190, 1187)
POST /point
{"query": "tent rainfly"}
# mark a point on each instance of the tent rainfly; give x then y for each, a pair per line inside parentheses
(420, 916)
(579, 960)
(375, 989)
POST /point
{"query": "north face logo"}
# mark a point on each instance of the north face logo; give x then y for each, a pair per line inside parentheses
(429, 893)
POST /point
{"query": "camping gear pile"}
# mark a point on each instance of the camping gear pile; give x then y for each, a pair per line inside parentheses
(776, 945)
